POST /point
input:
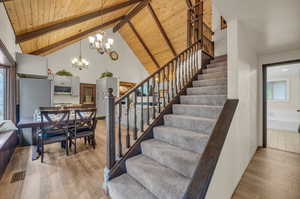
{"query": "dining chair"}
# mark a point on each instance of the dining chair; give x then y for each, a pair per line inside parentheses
(54, 129)
(84, 127)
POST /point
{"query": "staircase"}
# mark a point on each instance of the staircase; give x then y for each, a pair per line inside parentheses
(167, 163)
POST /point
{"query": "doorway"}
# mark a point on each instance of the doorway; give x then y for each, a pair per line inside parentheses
(281, 93)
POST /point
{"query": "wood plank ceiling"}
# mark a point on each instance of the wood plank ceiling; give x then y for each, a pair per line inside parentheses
(158, 30)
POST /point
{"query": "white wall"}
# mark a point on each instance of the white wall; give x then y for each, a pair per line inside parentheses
(127, 68)
(241, 142)
(7, 34)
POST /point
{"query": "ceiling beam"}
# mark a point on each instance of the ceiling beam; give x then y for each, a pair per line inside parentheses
(161, 29)
(30, 35)
(143, 44)
(74, 37)
(131, 14)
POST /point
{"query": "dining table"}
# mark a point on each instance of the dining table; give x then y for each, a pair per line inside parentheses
(35, 124)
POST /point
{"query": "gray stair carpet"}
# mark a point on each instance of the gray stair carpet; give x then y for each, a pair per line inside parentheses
(167, 163)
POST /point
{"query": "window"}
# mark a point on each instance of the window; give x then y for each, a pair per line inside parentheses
(2, 93)
(277, 90)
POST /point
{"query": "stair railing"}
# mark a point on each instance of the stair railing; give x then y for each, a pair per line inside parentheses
(129, 117)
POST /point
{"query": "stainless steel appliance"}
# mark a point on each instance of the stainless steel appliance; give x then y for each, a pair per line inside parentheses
(34, 93)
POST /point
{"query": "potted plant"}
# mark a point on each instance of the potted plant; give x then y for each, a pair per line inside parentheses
(64, 73)
(106, 74)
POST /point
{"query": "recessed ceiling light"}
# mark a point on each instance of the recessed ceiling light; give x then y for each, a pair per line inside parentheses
(285, 70)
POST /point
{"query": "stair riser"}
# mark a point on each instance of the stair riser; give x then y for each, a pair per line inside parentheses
(201, 126)
(218, 59)
(144, 172)
(184, 163)
(125, 187)
(212, 76)
(211, 82)
(187, 143)
(207, 112)
(215, 70)
(207, 91)
(203, 100)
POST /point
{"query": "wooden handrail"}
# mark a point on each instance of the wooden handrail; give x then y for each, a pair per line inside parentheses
(202, 177)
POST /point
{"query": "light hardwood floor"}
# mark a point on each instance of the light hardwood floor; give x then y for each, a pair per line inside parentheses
(76, 176)
(283, 140)
(272, 174)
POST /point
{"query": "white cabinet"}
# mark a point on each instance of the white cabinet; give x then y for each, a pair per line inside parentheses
(31, 66)
(75, 86)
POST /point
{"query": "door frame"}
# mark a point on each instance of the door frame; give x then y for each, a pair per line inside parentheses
(264, 69)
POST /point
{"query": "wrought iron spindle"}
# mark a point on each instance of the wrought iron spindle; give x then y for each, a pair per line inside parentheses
(148, 102)
(179, 72)
(172, 78)
(163, 87)
(127, 125)
(120, 131)
(154, 100)
(158, 91)
(168, 81)
(142, 107)
(135, 117)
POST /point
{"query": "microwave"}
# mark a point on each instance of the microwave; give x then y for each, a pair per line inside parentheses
(62, 90)
(62, 85)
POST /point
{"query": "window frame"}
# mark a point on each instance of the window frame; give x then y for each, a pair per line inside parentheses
(287, 90)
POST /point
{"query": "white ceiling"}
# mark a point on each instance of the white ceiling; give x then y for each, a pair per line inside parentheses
(277, 22)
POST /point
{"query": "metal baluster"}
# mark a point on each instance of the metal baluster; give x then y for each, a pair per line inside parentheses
(176, 79)
(158, 88)
(184, 69)
(135, 117)
(173, 78)
(148, 102)
(179, 72)
(168, 80)
(154, 100)
(188, 60)
(127, 127)
(163, 87)
(142, 108)
(195, 65)
(120, 131)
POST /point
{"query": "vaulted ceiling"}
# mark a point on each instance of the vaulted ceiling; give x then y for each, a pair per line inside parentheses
(155, 33)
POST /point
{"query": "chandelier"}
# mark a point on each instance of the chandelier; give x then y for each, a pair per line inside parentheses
(102, 43)
(79, 62)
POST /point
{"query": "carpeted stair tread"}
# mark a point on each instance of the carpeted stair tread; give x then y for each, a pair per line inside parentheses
(217, 100)
(214, 75)
(188, 140)
(125, 187)
(161, 181)
(182, 161)
(221, 68)
(210, 82)
(207, 90)
(197, 110)
(197, 124)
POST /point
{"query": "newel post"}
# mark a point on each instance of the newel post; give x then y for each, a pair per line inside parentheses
(110, 135)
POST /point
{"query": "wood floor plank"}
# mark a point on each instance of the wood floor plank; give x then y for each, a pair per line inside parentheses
(272, 174)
